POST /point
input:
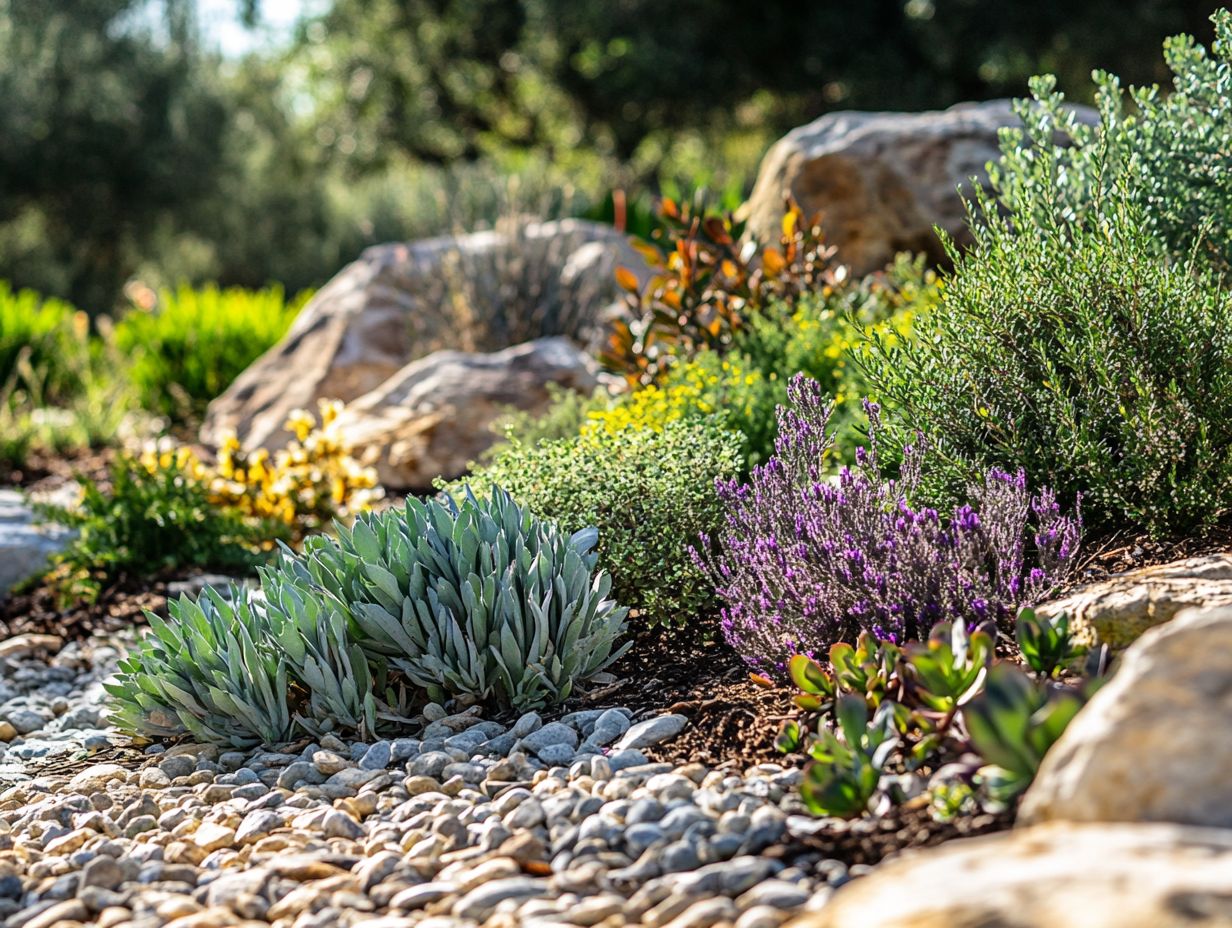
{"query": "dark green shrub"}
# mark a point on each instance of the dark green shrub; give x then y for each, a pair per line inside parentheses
(650, 493)
(147, 522)
(1074, 352)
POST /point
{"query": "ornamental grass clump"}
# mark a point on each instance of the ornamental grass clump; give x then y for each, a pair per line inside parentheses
(440, 599)
(803, 562)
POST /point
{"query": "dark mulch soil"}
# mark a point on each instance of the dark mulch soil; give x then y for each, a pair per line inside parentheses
(1122, 551)
(733, 721)
(118, 607)
(869, 841)
(44, 470)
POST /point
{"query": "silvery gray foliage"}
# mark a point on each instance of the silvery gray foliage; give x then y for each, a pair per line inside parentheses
(476, 597)
(212, 672)
(479, 598)
(313, 629)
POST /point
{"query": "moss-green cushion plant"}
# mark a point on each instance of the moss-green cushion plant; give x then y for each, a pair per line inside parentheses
(650, 492)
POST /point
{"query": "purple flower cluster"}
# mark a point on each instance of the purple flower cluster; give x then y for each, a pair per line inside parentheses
(804, 561)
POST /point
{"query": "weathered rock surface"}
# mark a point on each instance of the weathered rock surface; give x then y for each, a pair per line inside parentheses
(1054, 876)
(1118, 610)
(26, 544)
(401, 302)
(1154, 744)
(435, 415)
(881, 181)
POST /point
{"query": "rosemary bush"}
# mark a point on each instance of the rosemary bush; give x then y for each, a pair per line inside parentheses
(1075, 353)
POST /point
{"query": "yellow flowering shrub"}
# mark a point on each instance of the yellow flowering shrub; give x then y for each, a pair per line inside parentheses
(299, 489)
(743, 387)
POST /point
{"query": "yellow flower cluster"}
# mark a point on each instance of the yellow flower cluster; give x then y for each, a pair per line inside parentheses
(692, 389)
(301, 487)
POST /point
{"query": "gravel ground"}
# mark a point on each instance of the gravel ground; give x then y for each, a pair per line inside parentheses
(473, 822)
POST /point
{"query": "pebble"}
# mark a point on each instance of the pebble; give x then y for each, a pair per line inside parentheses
(652, 731)
(377, 757)
(535, 823)
(482, 901)
(552, 734)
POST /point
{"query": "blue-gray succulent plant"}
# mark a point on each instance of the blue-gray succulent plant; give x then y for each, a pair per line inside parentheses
(476, 598)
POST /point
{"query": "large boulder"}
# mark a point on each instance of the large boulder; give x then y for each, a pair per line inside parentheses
(1053, 876)
(482, 291)
(1155, 743)
(881, 181)
(1118, 610)
(436, 414)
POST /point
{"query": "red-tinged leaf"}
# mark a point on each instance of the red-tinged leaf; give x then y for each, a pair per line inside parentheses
(714, 228)
(626, 279)
(761, 680)
(653, 256)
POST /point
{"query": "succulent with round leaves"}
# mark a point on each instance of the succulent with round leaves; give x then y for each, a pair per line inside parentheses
(477, 597)
(1046, 644)
(211, 672)
(869, 669)
(949, 668)
(1012, 725)
(845, 772)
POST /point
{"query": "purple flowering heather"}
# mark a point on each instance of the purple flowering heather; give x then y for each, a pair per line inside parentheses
(804, 561)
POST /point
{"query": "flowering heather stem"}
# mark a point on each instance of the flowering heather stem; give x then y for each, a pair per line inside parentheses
(804, 561)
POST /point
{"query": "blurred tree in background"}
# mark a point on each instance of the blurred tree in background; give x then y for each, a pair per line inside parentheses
(108, 130)
(133, 147)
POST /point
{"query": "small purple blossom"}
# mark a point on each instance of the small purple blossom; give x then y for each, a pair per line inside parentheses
(860, 556)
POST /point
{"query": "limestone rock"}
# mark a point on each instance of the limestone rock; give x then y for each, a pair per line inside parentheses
(1154, 743)
(26, 545)
(1118, 610)
(435, 415)
(881, 181)
(401, 302)
(1053, 876)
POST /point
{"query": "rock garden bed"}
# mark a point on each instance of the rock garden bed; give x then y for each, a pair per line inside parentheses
(671, 627)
